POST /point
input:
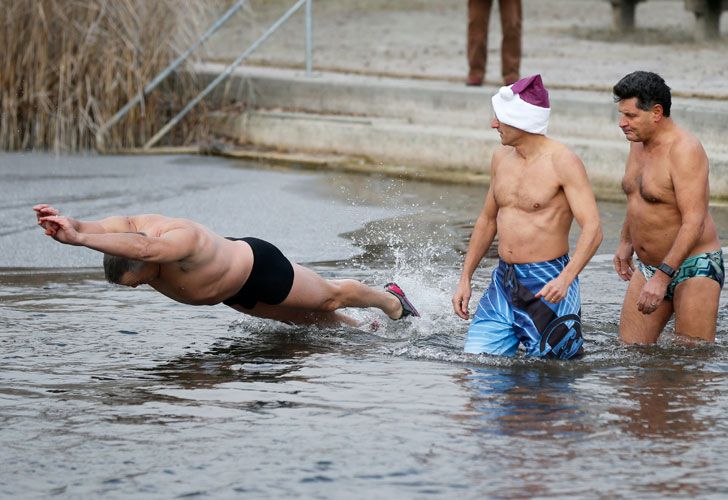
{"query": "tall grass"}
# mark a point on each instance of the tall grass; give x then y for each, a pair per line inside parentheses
(66, 66)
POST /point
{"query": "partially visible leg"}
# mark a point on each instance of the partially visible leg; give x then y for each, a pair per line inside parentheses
(636, 327)
(314, 293)
(511, 15)
(297, 316)
(491, 331)
(478, 17)
(488, 337)
(696, 308)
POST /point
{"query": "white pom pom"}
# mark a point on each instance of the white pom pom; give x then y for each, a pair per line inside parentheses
(506, 93)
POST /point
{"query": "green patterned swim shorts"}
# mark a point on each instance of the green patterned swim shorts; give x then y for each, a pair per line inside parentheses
(707, 265)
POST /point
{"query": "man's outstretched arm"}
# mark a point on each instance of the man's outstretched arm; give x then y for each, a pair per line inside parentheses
(113, 224)
(172, 246)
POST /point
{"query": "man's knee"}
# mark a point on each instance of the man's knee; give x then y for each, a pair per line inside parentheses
(335, 297)
(331, 304)
(638, 328)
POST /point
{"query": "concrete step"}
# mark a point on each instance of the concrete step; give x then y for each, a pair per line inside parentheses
(431, 147)
(433, 126)
(577, 112)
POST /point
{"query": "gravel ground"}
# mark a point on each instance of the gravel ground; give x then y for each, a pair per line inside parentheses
(570, 42)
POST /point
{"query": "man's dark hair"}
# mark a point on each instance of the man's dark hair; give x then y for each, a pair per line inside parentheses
(649, 89)
(115, 267)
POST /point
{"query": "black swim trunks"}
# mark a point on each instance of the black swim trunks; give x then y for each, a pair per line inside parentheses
(270, 280)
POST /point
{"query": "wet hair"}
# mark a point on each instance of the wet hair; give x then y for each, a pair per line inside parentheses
(649, 89)
(115, 267)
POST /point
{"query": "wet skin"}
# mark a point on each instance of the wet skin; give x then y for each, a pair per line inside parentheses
(537, 188)
(667, 220)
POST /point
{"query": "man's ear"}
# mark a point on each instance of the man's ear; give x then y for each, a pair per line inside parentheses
(658, 113)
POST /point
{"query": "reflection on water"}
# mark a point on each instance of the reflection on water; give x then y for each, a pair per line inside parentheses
(273, 354)
(651, 423)
(111, 391)
(524, 400)
(667, 399)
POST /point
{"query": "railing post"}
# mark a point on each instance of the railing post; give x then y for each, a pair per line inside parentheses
(227, 72)
(101, 132)
(309, 37)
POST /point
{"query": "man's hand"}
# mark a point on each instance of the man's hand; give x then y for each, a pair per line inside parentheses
(555, 290)
(653, 293)
(61, 229)
(461, 298)
(623, 261)
(44, 210)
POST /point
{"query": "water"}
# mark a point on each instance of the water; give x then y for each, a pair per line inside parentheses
(124, 393)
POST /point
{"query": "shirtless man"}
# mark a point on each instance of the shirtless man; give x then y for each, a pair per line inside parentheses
(537, 187)
(190, 264)
(667, 223)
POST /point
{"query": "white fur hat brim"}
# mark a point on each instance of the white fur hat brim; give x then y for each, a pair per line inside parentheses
(510, 109)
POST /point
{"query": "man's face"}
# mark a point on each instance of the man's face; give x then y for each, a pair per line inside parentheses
(141, 277)
(507, 133)
(637, 124)
(131, 279)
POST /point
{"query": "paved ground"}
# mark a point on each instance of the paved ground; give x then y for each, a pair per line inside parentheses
(570, 42)
(233, 198)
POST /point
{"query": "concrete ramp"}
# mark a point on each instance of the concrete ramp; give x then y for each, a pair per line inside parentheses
(428, 129)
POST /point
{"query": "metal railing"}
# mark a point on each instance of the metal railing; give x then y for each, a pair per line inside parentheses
(101, 133)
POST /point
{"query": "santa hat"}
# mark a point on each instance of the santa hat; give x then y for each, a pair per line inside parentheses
(524, 105)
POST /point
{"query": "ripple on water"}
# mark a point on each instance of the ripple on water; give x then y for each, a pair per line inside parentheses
(110, 391)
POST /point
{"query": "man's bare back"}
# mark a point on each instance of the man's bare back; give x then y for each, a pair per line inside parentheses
(215, 269)
(195, 266)
(191, 264)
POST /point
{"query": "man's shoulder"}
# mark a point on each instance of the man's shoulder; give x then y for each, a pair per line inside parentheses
(562, 151)
(684, 154)
(563, 158)
(685, 145)
(161, 224)
(150, 218)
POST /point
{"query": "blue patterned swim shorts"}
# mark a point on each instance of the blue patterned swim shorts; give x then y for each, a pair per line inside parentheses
(509, 314)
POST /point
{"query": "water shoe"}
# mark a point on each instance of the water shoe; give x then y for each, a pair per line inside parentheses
(407, 308)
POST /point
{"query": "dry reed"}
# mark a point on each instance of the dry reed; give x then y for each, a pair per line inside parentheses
(66, 66)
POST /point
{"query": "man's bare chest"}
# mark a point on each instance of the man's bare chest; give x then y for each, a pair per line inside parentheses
(648, 179)
(526, 192)
(181, 283)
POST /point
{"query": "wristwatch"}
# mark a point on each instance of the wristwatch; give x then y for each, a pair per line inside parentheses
(666, 269)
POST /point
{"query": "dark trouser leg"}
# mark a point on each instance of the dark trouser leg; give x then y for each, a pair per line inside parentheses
(478, 17)
(511, 14)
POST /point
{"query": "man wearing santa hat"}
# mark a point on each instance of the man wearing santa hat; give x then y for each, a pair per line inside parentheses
(668, 224)
(537, 187)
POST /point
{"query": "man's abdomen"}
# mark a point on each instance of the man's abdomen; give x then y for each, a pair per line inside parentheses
(532, 237)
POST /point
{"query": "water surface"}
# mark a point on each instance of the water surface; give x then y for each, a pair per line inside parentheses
(120, 392)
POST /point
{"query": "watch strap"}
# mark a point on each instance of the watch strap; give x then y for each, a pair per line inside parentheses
(667, 269)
